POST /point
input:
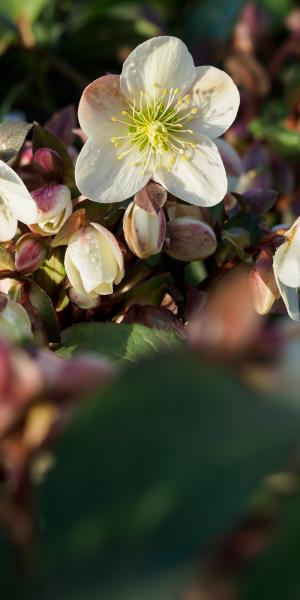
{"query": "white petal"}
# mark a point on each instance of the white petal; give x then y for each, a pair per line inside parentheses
(100, 100)
(16, 195)
(201, 180)
(163, 62)
(8, 223)
(288, 270)
(289, 295)
(102, 177)
(217, 98)
(115, 249)
(73, 274)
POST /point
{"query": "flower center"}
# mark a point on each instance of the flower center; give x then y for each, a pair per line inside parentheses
(156, 128)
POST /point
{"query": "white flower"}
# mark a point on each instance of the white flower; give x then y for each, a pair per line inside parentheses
(286, 265)
(54, 207)
(156, 121)
(94, 261)
(16, 203)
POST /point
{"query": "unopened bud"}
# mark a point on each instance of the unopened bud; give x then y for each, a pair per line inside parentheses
(189, 239)
(30, 253)
(54, 207)
(144, 232)
(84, 301)
(15, 325)
(49, 161)
(232, 163)
(262, 283)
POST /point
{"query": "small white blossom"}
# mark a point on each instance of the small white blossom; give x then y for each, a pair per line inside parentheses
(156, 121)
(94, 261)
(16, 203)
(286, 265)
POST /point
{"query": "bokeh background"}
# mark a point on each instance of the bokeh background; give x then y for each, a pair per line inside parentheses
(179, 481)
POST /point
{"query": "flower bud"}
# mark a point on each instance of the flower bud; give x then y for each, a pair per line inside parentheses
(30, 253)
(144, 232)
(49, 161)
(15, 325)
(93, 260)
(189, 239)
(84, 301)
(54, 207)
(232, 163)
(262, 283)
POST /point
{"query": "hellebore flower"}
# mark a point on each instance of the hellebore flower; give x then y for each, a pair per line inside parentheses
(16, 203)
(156, 121)
(94, 261)
(286, 265)
(54, 206)
(15, 324)
(143, 232)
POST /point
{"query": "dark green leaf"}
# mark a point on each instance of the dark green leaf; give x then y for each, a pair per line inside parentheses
(120, 343)
(41, 301)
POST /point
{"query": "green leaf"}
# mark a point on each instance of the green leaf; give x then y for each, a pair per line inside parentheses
(18, 9)
(6, 262)
(41, 301)
(43, 138)
(105, 214)
(151, 469)
(52, 272)
(276, 574)
(12, 137)
(120, 343)
(285, 141)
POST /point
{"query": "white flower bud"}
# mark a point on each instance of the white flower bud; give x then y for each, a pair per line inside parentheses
(144, 232)
(94, 261)
(54, 207)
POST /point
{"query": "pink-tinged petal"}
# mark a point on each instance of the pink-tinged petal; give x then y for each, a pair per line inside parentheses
(100, 100)
(51, 200)
(163, 62)
(16, 196)
(217, 99)
(290, 295)
(200, 180)
(102, 177)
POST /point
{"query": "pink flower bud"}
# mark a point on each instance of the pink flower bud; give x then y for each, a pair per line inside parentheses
(54, 207)
(144, 232)
(262, 283)
(189, 239)
(49, 161)
(30, 253)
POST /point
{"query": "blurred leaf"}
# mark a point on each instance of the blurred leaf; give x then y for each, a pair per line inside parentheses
(151, 291)
(119, 343)
(12, 137)
(42, 302)
(18, 9)
(6, 261)
(276, 574)
(284, 140)
(152, 469)
(44, 139)
(209, 21)
(195, 272)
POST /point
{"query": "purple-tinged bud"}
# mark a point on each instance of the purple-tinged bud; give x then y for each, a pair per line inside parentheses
(49, 161)
(151, 198)
(30, 253)
(189, 239)
(263, 287)
(232, 163)
(54, 207)
(156, 317)
(84, 301)
(144, 232)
